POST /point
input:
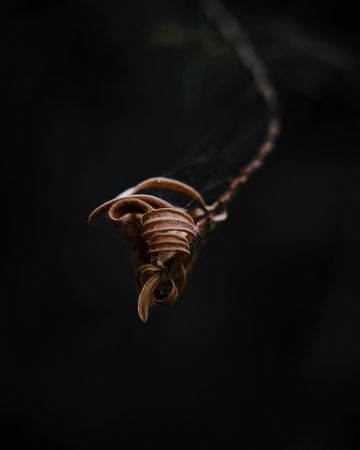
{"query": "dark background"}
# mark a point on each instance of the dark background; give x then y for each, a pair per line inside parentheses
(262, 348)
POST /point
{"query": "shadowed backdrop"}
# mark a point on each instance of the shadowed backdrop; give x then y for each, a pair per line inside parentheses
(262, 348)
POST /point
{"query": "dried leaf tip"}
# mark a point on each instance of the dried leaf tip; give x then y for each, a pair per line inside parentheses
(162, 236)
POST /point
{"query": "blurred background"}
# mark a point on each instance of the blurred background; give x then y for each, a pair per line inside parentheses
(262, 348)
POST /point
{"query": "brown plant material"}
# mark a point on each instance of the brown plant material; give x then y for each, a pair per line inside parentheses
(162, 236)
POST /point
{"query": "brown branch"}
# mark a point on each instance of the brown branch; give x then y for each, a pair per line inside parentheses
(232, 33)
(163, 235)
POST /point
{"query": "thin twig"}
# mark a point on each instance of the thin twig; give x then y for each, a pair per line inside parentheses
(232, 33)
